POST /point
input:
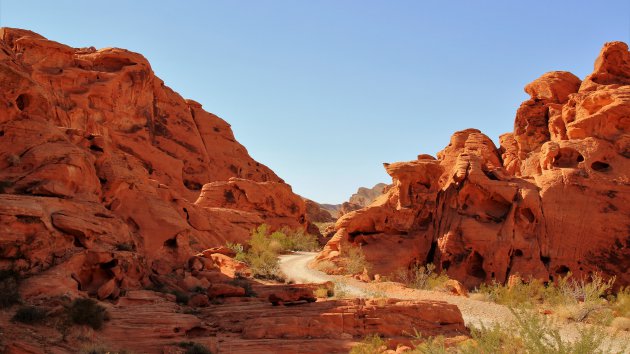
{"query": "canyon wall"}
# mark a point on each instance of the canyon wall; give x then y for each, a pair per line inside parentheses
(107, 175)
(554, 197)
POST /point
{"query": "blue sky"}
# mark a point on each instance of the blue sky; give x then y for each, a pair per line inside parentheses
(323, 92)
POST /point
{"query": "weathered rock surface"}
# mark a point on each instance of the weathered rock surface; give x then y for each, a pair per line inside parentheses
(98, 156)
(553, 198)
(148, 322)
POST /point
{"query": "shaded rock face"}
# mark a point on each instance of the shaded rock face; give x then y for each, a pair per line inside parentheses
(107, 175)
(553, 198)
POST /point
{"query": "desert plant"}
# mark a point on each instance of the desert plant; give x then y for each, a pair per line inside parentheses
(355, 261)
(621, 302)
(326, 266)
(298, 240)
(87, 312)
(29, 315)
(370, 345)
(323, 292)
(9, 283)
(422, 277)
(193, 348)
(239, 250)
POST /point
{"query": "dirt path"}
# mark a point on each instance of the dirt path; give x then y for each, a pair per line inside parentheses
(295, 267)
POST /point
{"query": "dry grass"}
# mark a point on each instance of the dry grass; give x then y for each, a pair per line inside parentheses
(421, 277)
(621, 323)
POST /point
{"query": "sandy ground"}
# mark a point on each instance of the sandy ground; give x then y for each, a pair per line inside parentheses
(475, 312)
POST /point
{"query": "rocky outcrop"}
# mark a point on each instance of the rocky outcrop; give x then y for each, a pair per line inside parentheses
(109, 178)
(148, 322)
(553, 198)
(112, 186)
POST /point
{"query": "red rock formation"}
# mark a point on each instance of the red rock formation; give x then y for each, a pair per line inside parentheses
(100, 167)
(110, 182)
(554, 198)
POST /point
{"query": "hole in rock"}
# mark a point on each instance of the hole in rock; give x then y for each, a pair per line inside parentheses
(446, 265)
(491, 175)
(1, 132)
(171, 243)
(475, 266)
(22, 101)
(601, 166)
(96, 148)
(567, 158)
(229, 196)
(109, 265)
(562, 270)
(431, 253)
(518, 253)
(527, 214)
(192, 185)
(545, 260)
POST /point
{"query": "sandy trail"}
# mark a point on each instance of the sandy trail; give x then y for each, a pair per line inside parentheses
(295, 267)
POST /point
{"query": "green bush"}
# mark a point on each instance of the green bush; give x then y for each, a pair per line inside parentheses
(422, 277)
(194, 348)
(29, 315)
(87, 312)
(9, 283)
(355, 261)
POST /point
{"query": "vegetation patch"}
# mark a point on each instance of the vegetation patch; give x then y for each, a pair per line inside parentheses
(354, 261)
(580, 300)
(29, 315)
(421, 277)
(87, 312)
(264, 246)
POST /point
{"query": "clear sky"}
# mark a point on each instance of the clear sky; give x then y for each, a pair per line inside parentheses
(323, 91)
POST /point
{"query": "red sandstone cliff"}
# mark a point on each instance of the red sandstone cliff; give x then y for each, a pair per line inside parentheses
(98, 155)
(553, 198)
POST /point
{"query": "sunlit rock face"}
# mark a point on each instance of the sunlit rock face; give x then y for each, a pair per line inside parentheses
(107, 176)
(553, 198)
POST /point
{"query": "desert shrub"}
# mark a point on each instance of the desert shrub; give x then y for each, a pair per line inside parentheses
(621, 302)
(298, 240)
(422, 277)
(355, 261)
(620, 323)
(194, 348)
(519, 294)
(323, 292)
(370, 345)
(239, 250)
(29, 315)
(581, 290)
(9, 283)
(326, 266)
(87, 312)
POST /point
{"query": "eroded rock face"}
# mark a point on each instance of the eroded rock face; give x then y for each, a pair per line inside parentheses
(101, 165)
(553, 198)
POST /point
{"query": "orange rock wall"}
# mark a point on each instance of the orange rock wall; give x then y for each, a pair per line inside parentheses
(99, 157)
(553, 198)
